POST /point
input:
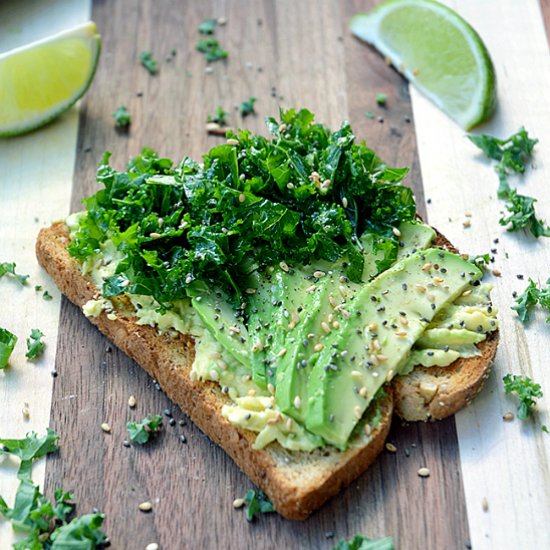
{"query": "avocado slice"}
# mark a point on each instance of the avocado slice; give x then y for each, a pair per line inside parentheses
(386, 318)
(222, 320)
(414, 236)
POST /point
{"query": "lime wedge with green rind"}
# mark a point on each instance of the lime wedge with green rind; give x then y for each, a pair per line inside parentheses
(42, 80)
(436, 50)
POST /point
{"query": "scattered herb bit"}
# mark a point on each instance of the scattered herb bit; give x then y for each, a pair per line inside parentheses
(219, 117)
(38, 288)
(522, 215)
(208, 26)
(544, 428)
(206, 230)
(149, 62)
(527, 391)
(481, 260)
(256, 503)
(369, 115)
(8, 268)
(46, 523)
(122, 117)
(512, 154)
(247, 107)
(35, 346)
(529, 298)
(211, 49)
(140, 432)
(47, 296)
(359, 542)
(7, 343)
(381, 99)
(173, 52)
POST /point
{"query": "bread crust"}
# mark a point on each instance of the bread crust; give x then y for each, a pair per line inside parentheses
(297, 483)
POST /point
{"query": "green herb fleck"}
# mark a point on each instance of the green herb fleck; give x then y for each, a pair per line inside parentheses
(481, 260)
(512, 154)
(8, 268)
(140, 432)
(7, 343)
(527, 391)
(545, 429)
(256, 503)
(149, 62)
(529, 298)
(208, 26)
(122, 117)
(219, 117)
(211, 49)
(35, 346)
(46, 523)
(47, 296)
(359, 542)
(369, 114)
(247, 106)
(381, 99)
(38, 288)
(521, 209)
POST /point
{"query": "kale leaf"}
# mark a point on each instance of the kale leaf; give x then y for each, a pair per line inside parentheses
(529, 298)
(527, 391)
(305, 194)
(7, 343)
(9, 268)
(35, 345)
(359, 542)
(208, 26)
(521, 209)
(247, 106)
(122, 117)
(256, 503)
(211, 49)
(140, 432)
(149, 62)
(219, 117)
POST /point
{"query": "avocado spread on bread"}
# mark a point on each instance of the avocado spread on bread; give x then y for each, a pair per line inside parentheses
(298, 266)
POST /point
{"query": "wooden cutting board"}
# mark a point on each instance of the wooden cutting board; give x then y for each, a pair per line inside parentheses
(286, 54)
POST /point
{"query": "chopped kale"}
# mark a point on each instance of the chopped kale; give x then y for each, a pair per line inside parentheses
(208, 26)
(122, 117)
(512, 153)
(219, 117)
(8, 268)
(7, 343)
(140, 432)
(247, 106)
(527, 391)
(529, 298)
(256, 503)
(47, 296)
(211, 49)
(359, 542)
(46, 523)
(35, 345)
(381, 99)
(521, 209)
(252, 203)
(149, 62)
(481, 260)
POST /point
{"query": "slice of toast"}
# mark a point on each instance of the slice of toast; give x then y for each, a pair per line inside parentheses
(297, 483)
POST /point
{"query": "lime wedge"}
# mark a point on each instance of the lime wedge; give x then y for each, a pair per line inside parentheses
(44, 79)
(436, 50)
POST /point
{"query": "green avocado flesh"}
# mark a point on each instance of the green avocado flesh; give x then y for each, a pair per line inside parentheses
(308, 351)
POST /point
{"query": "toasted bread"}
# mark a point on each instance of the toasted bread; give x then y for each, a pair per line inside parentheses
(297, 483)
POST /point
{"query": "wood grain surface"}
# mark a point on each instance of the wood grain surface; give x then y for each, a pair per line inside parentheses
(285, 53)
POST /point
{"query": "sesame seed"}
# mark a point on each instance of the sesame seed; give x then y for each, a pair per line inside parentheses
(281, 353)
(356, 374)
(271, 388)
(345, 202)
(363, 391)
(238, 503)
(368, 429)
(466, 224)
(381, 357)
(105, 427)
(372, 326)
(357, 411)
(404, 321)
(183, 439)
(325, 327)
(250, 291)
(310, 288)
(284, 266)
(438, 279)
(145, 506)
(232, 142)
(297, 402)
(132, 401)
(391, 447)
(401, 333)
(430, 296)
(152, 546)
(318, 347)
(290, 185)
(427, 266)
(484, 504)
(154, 235)
(289, 424)
(496, 272)
(467, 292)
(424, 472)
(508, 417)
(396, 232)
(26, 412)
(420, 288)
(319, 274)
(335, 324)
(252, 392)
